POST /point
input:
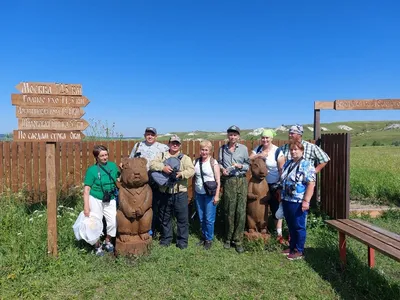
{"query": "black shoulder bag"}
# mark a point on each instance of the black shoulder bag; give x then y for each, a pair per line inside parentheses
(209, 186)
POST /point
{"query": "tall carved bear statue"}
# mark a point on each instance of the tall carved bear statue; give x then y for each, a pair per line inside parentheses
(257, 200)
(134, 214)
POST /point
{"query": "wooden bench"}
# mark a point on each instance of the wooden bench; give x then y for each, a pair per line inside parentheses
(374, 237)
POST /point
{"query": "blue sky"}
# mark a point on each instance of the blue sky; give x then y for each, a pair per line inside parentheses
(204, 65)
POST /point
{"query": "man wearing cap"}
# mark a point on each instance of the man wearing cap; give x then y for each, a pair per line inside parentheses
(312, 152)
(174, 200)
(234, 162)
(149, 148)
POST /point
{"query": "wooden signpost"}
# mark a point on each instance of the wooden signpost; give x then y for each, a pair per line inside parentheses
(50, 112)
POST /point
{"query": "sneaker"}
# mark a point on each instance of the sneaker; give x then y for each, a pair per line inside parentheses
(99, 251)
(207, 245)
(109, 247)
(286, 252)
(227, 245)
(295, 255)
(239, 249)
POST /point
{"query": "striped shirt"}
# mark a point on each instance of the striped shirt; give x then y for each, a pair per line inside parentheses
(311, 153)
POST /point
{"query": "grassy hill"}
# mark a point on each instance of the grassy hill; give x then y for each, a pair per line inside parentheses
(363, 133)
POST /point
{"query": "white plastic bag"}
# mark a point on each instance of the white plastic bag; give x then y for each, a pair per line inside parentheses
(89, 228)
(279, 212)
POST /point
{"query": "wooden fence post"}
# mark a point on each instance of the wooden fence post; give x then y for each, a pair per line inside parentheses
(51, 199)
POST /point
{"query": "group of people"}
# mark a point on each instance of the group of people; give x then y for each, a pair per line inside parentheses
(291, 178)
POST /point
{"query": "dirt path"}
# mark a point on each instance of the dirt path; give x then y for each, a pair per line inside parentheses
(358, 207)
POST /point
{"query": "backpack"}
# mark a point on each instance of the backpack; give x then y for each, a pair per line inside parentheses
(164, 179)
(276, 151)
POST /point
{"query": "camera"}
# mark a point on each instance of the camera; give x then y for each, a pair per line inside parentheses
(107, 196)
(137, 154)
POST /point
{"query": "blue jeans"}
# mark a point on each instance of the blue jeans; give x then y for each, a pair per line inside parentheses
(207, 211)
(296, 221)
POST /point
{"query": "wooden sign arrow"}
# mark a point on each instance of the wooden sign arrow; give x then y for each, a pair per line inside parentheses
(49, 100)
(49, 88)
(47, 136)
(52, 124)
(49, 112)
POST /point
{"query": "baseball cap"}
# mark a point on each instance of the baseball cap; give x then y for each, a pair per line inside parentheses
(296, 129)
(151, 129)
(175, 138)
(233, 128)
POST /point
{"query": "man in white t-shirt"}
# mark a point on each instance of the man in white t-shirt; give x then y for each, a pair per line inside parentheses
(149, 149)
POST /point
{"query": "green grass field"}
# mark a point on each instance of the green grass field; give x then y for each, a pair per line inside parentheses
(374, 174)
(169, 273)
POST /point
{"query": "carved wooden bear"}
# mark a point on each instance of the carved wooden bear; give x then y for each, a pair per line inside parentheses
(134, 214)
(257, 198)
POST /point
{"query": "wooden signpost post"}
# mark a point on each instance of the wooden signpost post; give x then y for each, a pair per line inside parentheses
(50, 112)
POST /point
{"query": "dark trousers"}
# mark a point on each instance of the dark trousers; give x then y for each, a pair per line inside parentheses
(155, 223)
(177, 205)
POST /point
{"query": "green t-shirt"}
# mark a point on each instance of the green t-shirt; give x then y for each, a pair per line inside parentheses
(95, 173)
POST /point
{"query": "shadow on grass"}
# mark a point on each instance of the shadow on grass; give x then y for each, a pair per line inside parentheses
(357, 281)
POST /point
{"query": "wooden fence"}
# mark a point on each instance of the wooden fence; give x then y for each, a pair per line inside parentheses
(23, 167)
(23, 164)
(335, 177)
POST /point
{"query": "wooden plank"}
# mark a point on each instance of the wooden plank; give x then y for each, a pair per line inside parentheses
(196, 148)
(216, 146)
(91, 159)
(35, 164)
(70, 165)
(131, 144)
(42, 162)
(21, 166)
(49, 100)
(48, 136)
(317, 125)
(52, 124)
(85, 162)
(381, 237)
(366, 239)
(118, 149)
(64, 164)
(14, 167)
(29, 167)
(387, 233)
(49, 88)
(112, 150)
(58, 165)
(2, 171)
(324, 105)
(77, 164)
(49, 112)
(191, 151)
(123, 148)
(51, 199)
(367, 104)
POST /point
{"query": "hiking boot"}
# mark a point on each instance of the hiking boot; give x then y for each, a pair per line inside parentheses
(109, 247)
(207, 245)
(295, 255)
(227, 245)
(239, 249)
